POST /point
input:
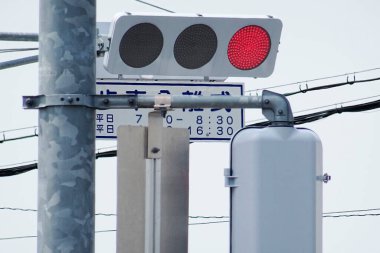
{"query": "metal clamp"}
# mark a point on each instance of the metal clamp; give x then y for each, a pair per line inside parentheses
(162, 102)
(92, 101)
(229, 179)
(42, 101)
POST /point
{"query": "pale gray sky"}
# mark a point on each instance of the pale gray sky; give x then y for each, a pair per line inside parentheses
(319, 38)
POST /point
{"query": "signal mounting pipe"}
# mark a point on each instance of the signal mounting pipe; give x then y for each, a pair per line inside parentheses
(275, 107)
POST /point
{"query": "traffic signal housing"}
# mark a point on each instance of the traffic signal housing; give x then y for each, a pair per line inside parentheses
(193, 45)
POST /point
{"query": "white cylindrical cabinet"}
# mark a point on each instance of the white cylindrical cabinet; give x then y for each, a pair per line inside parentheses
(276, 191)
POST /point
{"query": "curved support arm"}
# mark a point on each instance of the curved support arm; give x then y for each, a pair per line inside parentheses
(276, 108)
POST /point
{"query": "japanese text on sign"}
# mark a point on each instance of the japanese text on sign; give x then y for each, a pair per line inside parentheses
(204, 124)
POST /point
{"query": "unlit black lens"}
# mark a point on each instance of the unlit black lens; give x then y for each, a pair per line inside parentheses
(141, 45)
(195, 46)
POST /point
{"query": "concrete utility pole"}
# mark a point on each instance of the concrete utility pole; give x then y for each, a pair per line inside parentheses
(67, 136)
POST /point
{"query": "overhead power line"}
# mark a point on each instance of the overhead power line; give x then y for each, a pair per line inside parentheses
(354, 211)
(18, 62)
(17, 237)
(155, 6)
(18, 129)
(330, 86)
(17, 170)
(109, 214)
(351, 215)
(104, 231)
(307, 118)
(25, 168)
(19, 138)
(204, 223)
(209, 222)
(18, 209)
(345, 213)
(9, 36)
(209, 217)
(340, 104)
(13, 50)
(315, 79)
(22, 163)
(34, 236)
(6, 132)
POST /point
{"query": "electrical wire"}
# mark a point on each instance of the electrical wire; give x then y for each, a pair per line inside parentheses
(17, 170)
(204, 223)
(12, 50)
(302, 119)
(13, 164)
(325, 214)
(34, 236)
(314, 80)
(340, 104)
(354, 211)
(18, 209)
(351, 215)
(35, 210)
(106, 154)
(18, 138)
(12, 171)
(209, 217)
(18, 129)
(104, 231)
(155, 6)
(19, 62)
(17, 237)
(210, 222)
(330, 86)
(12, 36)
(108, 214)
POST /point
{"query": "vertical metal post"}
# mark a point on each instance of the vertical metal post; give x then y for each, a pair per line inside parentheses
(67, 136)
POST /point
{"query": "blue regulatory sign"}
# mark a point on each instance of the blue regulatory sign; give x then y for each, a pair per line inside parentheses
(209, 124)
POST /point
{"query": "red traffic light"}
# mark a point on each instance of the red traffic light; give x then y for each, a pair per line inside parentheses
(249, 47)
(175, 46)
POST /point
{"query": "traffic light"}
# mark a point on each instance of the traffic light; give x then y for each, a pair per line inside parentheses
(193, 46)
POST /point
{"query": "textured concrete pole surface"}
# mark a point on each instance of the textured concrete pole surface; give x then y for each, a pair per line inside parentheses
(66, 198)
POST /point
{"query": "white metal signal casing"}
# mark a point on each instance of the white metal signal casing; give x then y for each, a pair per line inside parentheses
(195, 43)
(276, 191)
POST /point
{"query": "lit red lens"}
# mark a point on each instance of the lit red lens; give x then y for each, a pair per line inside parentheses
(249, 47)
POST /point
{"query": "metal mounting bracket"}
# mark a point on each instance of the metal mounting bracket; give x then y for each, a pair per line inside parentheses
(229, 179)
(92, 101)
(275, 107)
(155, 126)
(42, 101)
